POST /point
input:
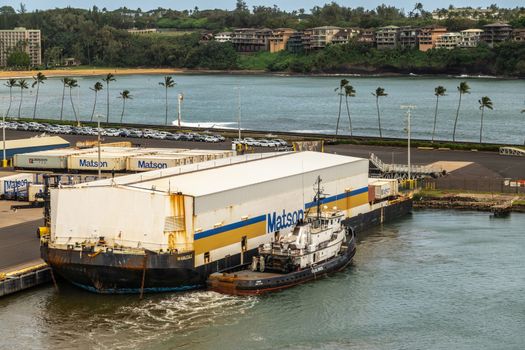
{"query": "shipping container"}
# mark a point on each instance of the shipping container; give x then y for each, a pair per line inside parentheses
(15, 186)
(384, 188)
(208, 211)
(52, 159)
(157, 161)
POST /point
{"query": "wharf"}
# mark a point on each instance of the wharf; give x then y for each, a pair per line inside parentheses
(20, 263)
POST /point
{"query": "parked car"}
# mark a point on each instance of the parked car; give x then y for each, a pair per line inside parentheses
(211, 139)
(281, 142)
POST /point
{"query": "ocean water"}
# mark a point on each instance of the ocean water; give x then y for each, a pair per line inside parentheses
(431, 280)
(304, 104)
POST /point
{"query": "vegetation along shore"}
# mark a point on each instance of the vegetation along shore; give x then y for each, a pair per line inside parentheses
(488, 42)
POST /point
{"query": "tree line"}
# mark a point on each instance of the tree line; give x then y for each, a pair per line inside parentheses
(70, 84)
(347, 90)
(98, 37)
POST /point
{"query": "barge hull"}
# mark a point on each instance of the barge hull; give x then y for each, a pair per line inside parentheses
(110, 272)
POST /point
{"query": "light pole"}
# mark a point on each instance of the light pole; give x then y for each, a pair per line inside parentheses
(239, 112)
(180, 99)
(4, 159)
(98, 146)
(409, 109)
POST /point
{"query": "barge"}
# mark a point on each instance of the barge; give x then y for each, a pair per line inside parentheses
(169, 229)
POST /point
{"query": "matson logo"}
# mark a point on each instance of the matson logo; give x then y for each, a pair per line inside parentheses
(14, 185)
(142, 164)
(92, 163)
(276, 222)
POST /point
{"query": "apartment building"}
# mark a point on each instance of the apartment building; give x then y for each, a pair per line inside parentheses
(428, 37)
(322, 36)
(367, 36)
(345, 35)
(251, 39)
(387, 37)
(279, 39)
(496, 33)
(448, 41)
(143, 31)
(27, 39)
(518, 35)
(470, 38)
(408, 37)
(223, 37)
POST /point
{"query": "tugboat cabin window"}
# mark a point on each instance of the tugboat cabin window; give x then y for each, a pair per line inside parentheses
(296, 231)
(206, 257)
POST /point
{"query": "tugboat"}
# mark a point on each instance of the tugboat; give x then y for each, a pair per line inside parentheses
(318, 245)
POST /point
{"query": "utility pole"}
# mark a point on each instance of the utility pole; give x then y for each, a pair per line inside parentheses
(98, 145)
(409, 109)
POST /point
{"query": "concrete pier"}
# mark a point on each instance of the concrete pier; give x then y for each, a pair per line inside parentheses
(20, 263)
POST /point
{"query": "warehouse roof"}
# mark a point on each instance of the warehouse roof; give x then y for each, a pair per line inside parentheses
(170, 173)
(35, 142)
(224, 178)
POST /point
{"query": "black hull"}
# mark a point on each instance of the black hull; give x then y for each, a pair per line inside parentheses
(226, 281)
(113, 272)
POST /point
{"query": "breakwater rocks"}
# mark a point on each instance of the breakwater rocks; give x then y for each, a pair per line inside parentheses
(463, 201)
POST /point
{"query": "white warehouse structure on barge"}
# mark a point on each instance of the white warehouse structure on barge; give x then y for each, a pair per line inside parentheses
(168, 229)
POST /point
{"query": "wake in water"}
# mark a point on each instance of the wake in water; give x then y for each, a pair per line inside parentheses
(152, 320)
(209, 125)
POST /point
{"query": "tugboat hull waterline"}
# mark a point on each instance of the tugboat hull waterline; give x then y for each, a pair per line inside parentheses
(168, 230)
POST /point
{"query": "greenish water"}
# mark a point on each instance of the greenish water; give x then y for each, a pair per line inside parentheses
(302, 104)
(433, 280)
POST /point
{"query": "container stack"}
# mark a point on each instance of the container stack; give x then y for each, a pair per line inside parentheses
(115, 159)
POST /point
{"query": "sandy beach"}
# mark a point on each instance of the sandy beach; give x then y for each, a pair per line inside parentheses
(4, 74)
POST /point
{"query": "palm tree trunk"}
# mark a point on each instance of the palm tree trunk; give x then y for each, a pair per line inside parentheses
(339, 115)
(166, 123)
(456, 121)
(20, 105)
(73, 105)
(435, 118)
(36, 100)
(348, 111)
(123, 106)
(379, 117)
(481, 127)
(10, 101)
(94, 106)
(107, 103)
(62, 107)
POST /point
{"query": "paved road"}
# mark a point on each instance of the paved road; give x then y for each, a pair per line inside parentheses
(19, 244)
(487, 164)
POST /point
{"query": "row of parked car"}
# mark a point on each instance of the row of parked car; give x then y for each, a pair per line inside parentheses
(248, 141)
(115, 132)
(139, 133)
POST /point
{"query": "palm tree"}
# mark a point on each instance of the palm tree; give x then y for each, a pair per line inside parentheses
(72, 83)
(22, 84)
(349, 92)
(438, 91)
(380, 92)
(463, 88)
(65, 82)
(10, 83)
(485, 102)
(38, 79)
(167, 83)
(97, 87)
(109, 78)
(339, 90)
(124, 95)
